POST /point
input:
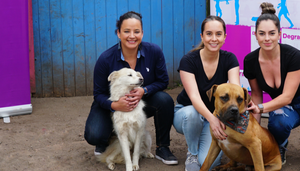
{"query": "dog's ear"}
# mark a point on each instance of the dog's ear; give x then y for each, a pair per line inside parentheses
(211, 91)
(247, 96)
(112, 76)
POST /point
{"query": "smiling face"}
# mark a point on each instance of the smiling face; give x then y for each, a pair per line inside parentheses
(267, 35)
(213, 35)
(130, 34)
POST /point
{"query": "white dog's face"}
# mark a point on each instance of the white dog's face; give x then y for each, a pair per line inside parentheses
(127, 77)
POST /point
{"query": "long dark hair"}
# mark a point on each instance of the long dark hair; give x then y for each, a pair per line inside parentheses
(268, 13)
(207, 19)
(130, 14)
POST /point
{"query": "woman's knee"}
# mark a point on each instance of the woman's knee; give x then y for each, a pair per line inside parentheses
(177, 123)
(188, 117)
(98, 125)
(91, 137)
(95, 136)
(280, 120)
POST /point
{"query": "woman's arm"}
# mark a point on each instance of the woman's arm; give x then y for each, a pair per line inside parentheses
(189, 83)
(159, 70)
(256, 97)
(290, 88)
(234, 75)
(291, 85)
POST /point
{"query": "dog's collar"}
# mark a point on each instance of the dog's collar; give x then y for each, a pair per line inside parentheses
(242, 124)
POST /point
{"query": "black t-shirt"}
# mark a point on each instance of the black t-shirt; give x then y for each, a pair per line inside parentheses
(192, 63)
(289, 61)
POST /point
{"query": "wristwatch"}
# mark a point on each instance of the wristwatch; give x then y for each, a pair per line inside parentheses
(261, 108)
(145, 90)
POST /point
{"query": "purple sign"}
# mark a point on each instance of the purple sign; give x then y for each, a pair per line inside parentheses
(14, 59)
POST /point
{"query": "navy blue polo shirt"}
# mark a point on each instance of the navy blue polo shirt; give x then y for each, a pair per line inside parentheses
(150, 63)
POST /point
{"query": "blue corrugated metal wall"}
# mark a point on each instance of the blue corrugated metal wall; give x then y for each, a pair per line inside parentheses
(69, 36)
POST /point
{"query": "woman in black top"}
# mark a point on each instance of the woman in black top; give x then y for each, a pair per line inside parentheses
(199, 70)
(275, 69)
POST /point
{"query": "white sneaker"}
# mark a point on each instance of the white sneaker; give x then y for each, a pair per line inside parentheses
(98, 151)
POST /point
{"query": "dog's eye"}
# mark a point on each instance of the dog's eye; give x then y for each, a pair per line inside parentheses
(130, 75)
(225, 98)
(239, 100)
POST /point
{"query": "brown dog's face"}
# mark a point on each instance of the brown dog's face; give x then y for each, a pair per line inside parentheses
(230, 101)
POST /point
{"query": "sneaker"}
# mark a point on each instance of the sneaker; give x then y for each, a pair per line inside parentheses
(283, 153)
(98, 151)
(191, 162)
(164, 154)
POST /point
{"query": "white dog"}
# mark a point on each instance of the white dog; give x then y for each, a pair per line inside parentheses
(130, 127)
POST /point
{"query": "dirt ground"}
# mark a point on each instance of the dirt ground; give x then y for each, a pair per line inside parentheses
(51, 138)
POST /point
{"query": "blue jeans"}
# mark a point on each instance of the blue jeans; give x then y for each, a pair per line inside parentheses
(283, 120)
(196, 129)
(99, 126)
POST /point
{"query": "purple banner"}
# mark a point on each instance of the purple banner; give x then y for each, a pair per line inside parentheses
(238, 41)
(14, 54)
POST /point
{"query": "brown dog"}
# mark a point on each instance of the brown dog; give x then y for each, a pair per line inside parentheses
(255, 146)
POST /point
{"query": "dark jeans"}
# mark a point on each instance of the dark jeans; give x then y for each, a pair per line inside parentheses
(99, 126)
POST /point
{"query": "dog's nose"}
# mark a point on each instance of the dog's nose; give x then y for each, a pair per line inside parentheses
(234, 110)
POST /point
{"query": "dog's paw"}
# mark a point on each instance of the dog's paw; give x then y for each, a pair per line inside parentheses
(111, 166)
(147, 155)
(135, 167)
(150, 155)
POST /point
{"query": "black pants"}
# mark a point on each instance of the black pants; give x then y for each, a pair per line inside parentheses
(99, 125)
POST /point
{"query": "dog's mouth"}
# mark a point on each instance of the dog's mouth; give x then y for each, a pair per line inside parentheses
(138, 84)
(230, 115)
(225, 118)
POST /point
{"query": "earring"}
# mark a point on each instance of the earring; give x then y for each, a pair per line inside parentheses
(119, 44)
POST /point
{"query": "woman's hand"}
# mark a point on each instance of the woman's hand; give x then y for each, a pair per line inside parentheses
(252, 107)
(130, 101)
(218, 128)
(135, 96)
(122, 105)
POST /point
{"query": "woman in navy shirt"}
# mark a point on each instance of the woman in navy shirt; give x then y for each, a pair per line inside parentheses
(148, 59)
